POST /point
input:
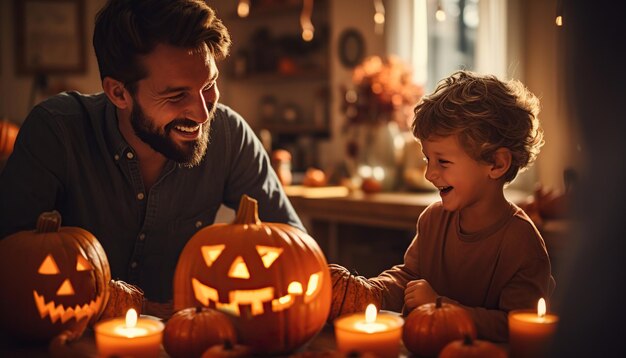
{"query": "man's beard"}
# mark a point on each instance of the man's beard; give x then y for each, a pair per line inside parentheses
(188, 153)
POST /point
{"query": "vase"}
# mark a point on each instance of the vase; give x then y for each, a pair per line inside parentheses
(380, 157)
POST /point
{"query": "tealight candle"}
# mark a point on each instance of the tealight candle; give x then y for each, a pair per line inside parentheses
(530, 332)
(379, 334)
(132, 337)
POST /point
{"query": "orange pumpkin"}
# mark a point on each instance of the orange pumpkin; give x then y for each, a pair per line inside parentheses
(431, 326)
(8, 133)
(227, 350)
(472, 348)
(191, 331)
(272, 278)
(52, 279)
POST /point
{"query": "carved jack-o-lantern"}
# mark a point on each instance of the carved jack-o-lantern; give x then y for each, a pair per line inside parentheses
(51, 279)
(272, 278)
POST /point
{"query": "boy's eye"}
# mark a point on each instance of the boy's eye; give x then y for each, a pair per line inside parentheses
(444, 162)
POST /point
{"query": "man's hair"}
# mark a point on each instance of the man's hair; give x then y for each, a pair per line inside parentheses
(486, 114)
(128, 29)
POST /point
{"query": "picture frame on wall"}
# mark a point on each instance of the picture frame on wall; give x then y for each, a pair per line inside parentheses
(50, 36)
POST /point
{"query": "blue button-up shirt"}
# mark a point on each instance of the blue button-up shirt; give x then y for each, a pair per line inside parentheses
(73, 158)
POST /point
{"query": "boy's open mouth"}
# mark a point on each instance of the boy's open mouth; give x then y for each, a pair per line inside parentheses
(445, 189)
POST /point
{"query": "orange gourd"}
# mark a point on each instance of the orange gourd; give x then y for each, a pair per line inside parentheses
(8, 133)
(472, 348)
(272, 278)
(52, 279)
(191, 331)
(431, 326)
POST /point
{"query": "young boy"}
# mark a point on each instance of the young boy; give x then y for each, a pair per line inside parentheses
(474, 248)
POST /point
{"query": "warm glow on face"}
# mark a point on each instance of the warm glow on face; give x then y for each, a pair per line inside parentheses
(82, 264)
(65, 289)
(370, 313)
(541, 307)
(210, 253)
(48, 266)
(58, 312)
(239, 269)
(256, 298)
(268, 254)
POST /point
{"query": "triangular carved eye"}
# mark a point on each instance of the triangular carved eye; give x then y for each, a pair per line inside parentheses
(268, 254)
(210, 253)
(82, 264)
(239, 269)
(48, 266)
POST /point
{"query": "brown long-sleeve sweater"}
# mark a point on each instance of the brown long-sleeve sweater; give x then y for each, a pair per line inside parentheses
(501, 268)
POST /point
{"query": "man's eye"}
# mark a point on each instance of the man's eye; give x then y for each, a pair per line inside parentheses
(176, 98)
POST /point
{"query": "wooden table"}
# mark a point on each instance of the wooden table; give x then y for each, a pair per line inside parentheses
(322, 345)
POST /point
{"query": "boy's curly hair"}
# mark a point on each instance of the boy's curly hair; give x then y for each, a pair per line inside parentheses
(486, 114)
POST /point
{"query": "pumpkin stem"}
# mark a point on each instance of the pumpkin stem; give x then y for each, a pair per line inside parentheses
(438, 302)
(198, 309)
(49, 221)
(248, 212)
(467, 340)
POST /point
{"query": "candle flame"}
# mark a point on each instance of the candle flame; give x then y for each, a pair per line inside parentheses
(131, 318)
(541, 308)
(370, 313)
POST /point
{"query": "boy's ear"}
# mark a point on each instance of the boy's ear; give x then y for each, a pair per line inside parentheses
(501, 163)
(116, 92)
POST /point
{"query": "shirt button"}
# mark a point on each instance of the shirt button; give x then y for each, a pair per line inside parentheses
(140, 196)
(116, 157)
(198, 224)
(134, 264)
(130, 155)
(142, 236)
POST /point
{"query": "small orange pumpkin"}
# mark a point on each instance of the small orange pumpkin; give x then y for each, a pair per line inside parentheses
(191, 331)
(51, 280)
(227, 350)
(431, 326)
(471, 348)
(272, 278)
(8, 133)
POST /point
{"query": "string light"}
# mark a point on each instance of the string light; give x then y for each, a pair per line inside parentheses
(559, 13)
(243, 8)
(305, 20)
(379, 16)
(440, 15)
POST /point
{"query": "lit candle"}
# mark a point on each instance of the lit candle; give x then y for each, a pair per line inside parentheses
(132, 336)
(530, 332)
(379, 334)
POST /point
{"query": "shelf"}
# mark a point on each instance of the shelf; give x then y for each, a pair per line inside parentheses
(296, 129)
(278, 9)
(276, 77)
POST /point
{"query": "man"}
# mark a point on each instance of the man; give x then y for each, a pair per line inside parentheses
(148, 162)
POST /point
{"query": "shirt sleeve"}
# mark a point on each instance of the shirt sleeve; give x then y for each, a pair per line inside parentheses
(32, 180)
(251, 173)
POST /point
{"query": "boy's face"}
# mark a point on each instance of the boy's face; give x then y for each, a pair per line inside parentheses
(173, 106)
(462, 181)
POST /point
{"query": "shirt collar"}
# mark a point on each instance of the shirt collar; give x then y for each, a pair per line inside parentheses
(116, 142)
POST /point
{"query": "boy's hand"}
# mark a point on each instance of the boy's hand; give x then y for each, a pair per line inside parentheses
(417, 293)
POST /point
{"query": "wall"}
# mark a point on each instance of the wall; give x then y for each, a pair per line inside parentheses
(15, 91)
(538, 63)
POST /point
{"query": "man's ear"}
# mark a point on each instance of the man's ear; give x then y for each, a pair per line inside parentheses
(501, 163)
(116, 92)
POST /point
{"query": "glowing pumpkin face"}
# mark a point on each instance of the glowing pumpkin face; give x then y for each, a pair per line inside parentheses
(51, 279)
(269, 277)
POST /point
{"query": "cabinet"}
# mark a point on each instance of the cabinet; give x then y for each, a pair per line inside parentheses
(276, 80)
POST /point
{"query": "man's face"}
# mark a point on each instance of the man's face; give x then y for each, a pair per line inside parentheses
(174, 105)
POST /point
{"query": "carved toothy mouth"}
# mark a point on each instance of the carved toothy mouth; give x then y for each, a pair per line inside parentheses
(58, 312)
(257, 297)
